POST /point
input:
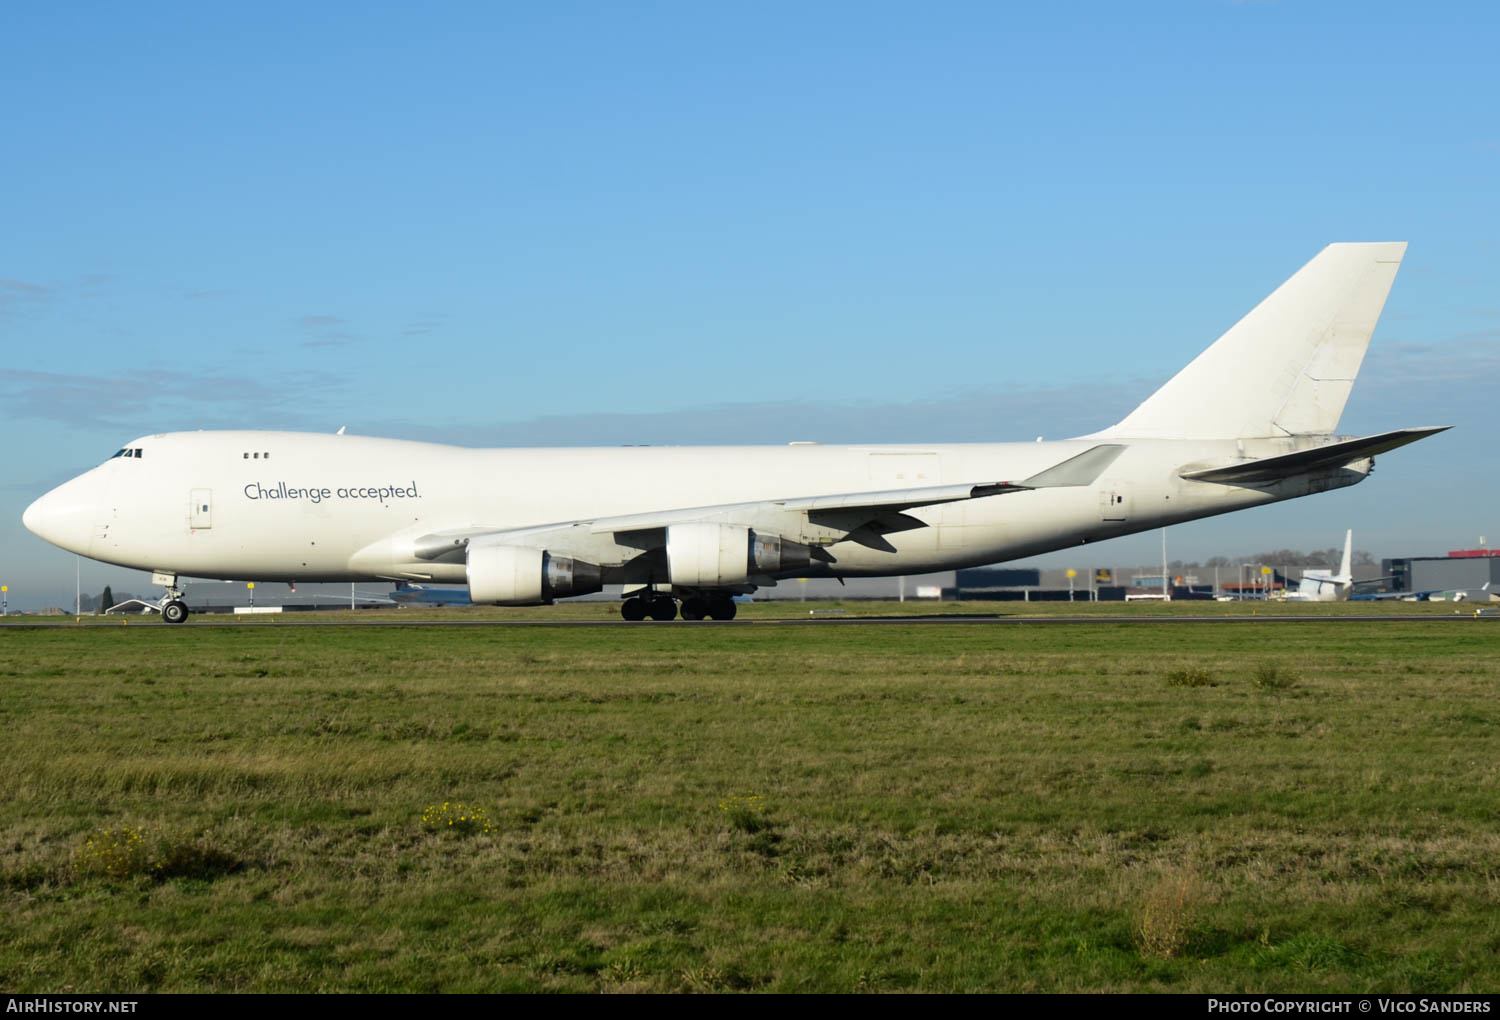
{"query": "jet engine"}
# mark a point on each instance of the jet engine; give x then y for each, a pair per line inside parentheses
(513, 575)
(706, 555)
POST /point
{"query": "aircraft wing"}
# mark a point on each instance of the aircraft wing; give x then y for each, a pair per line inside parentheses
(1395, 596)
(1399, 596)
(868, 505)
(817, 520)
(1270, 469)
(859, 508)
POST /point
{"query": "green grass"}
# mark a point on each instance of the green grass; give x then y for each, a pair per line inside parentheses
(790, 608)
(943, 807)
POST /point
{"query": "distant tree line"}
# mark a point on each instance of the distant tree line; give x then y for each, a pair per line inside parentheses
(99, 603)
(1331, 557)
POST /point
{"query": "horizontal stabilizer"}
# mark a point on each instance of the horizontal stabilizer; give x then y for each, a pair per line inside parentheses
(1270, 469)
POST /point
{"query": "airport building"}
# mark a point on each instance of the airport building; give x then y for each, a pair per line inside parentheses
(1460, 570)
(278, 596)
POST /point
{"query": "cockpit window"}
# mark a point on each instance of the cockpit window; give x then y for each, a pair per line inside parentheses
(135, 452)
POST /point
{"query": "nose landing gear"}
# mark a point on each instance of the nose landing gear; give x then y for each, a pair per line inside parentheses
(171, 606)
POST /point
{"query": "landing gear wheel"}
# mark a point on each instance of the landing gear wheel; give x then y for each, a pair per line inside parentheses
(662, 609)
(175, 611)
(633, 609)
(694, 608)
(722, 608)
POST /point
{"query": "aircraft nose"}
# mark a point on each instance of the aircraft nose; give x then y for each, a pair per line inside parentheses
(65, 516)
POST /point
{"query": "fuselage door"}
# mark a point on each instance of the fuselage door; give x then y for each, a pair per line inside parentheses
(201, 515)
(1114, 501)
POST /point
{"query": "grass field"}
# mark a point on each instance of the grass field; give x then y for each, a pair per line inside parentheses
(1262, 807)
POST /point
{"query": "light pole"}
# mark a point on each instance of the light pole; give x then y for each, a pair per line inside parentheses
(1166, 590)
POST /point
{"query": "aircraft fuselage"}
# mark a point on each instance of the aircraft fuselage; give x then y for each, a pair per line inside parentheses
(314, 507)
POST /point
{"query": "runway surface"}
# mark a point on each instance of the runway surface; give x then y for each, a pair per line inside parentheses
(966, 619)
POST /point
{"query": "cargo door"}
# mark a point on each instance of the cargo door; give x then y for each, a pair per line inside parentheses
(1114, 501)
(201, 516)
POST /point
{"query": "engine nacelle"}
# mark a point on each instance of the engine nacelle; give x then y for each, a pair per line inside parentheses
(514, 575)
(706, 555)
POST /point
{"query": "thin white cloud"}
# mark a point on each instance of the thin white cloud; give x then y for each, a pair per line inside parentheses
(1470, 358)
(320, 321)
(1451, 380)
(1000, 414)
(16, 294)
(420, 327)
(325, 330)
(130, 400)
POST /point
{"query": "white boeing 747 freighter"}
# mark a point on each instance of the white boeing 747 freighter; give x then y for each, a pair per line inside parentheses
(1250, 421)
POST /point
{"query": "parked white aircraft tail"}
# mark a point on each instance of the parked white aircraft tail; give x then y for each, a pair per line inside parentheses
(1250, 421)
(1325, 585)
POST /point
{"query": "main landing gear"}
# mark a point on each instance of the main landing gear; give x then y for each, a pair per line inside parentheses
(663, 607)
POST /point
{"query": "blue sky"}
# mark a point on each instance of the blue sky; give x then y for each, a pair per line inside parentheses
(564, 224)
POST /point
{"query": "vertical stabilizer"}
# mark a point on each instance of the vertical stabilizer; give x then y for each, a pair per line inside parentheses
(1346, 569)
(1288, 366)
